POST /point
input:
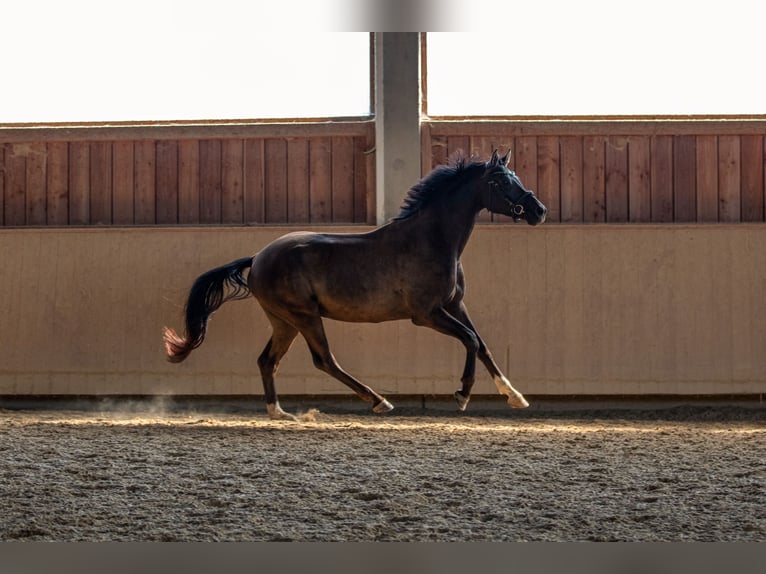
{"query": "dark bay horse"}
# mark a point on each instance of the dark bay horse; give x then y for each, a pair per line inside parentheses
(408, 268)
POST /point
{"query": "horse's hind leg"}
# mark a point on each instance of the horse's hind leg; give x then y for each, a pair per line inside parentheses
(282, 337)
(312, 329)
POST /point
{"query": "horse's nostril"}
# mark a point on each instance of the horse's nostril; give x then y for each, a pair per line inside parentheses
(540, 211)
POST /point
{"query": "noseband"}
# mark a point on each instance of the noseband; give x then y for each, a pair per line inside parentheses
(517, 209)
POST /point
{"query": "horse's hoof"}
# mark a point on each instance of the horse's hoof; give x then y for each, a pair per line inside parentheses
(277, 414)
(383, 407)
(517, 401)
(462, 401)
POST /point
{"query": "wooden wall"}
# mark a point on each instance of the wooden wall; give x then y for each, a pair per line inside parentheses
(704, 171)
(188, 175)
(566, 309)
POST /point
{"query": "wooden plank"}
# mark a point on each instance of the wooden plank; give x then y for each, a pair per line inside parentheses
(524, 159)
(2, 183)
(684, 179)
(707, 179)
(167, 182)
(275, 178)
(320, 180)
(123, 176)
(342, 180)
(35, 184)
(639, 180)
(15, 184)
(79, 183)
(729, 179)
(458, 145)
(593, 175)
(662, 179)
(371, 177)
(232, 182)
(439, 153)
(481, 147)
(188, 182)
(571, 179)
(100, 183)
(190, 131)
(144, 180)
(57, 186)
(210, 181)
(616, 179)
(648, 126)
(549, 176)
(298, 205)
(752, 178)
(360, 180)
(253, 194)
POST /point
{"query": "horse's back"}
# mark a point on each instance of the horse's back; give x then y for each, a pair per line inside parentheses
(343, 276)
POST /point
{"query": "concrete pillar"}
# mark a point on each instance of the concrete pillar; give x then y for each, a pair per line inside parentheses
(397, 119)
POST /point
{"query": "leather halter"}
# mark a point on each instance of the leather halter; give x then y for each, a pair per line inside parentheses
(517, 209)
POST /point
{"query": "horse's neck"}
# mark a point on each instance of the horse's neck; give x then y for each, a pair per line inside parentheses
(447, 226)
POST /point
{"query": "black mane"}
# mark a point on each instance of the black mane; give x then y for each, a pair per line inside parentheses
(437, 182)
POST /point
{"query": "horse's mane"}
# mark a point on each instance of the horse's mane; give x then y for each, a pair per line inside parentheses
(441, 179)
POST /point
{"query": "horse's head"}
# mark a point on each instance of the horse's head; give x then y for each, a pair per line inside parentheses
(504, 193)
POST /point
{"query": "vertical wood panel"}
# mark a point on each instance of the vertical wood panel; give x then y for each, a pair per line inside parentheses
(571, 179)
(275, 177)
(232, 182)
(729, 178)
(616, 179)
(253, 196)
(707, 179)
(320, 180)
(482, 147)
(662, 179)
(188, 182)
(15, 184)
(210, 181)
(35, 184)
(458, 144)
(79, 183)
(342, 180)
(639, 180)
(167, 182)
(594, 188)
(123, 177)
(549, 176)
(752, 178)
(371, 169)
(298, 189)
(525, 164)
(439, 151)
(101, 183)
(2, 184)
(684, 179)
(144, 191)
(360, 180)
(57, 187)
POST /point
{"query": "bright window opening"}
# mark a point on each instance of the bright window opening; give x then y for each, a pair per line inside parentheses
(596, 58)
(84, 61)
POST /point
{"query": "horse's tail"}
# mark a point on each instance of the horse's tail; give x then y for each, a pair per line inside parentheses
(211, 290)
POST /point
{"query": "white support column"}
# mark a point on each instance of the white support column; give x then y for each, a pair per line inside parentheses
(397, 119)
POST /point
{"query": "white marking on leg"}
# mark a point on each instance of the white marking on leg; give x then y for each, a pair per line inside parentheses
(276, 413)
(515, 398)
(383, 407)
(462, 402)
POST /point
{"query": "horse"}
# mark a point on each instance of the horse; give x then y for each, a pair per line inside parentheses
(406, 269)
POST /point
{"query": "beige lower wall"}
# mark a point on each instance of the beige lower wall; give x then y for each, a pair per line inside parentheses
(565, 309)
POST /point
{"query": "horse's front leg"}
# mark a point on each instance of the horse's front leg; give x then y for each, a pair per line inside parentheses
(504, 386)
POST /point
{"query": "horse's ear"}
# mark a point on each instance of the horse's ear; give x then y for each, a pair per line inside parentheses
(494, 159)
(506, 157)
